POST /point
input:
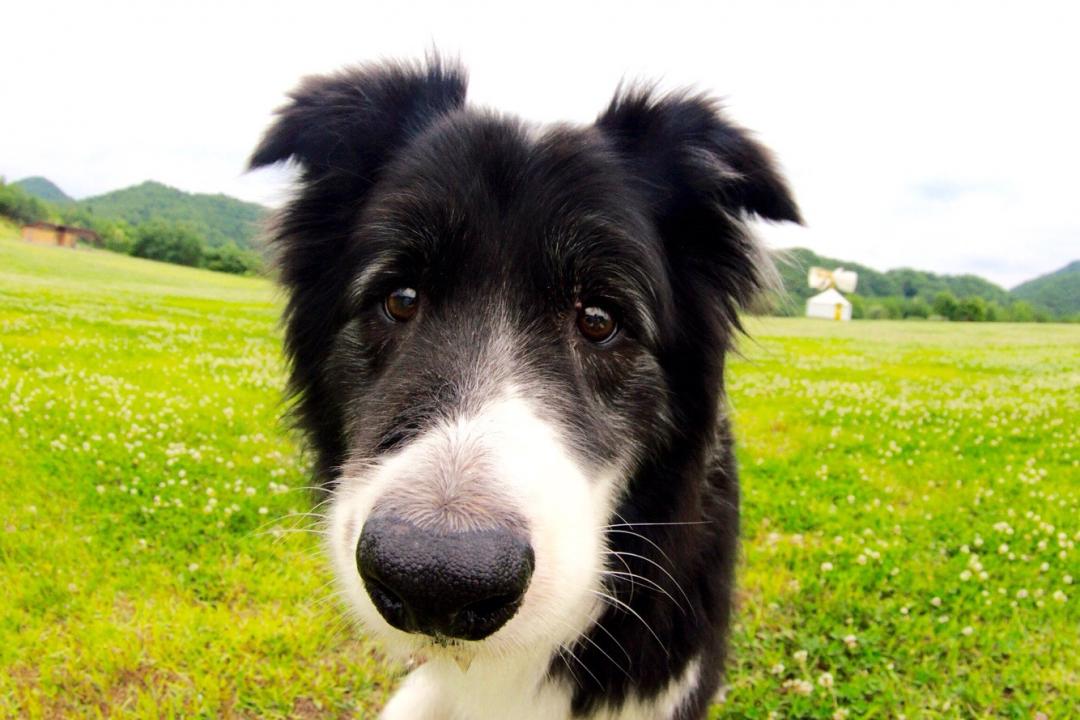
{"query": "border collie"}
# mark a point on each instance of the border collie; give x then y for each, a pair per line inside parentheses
(507, 350)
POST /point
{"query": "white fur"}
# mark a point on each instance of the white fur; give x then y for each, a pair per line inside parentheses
(440, 690)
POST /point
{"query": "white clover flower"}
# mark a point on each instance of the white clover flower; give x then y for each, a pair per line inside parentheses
(851, 641)
(1060, 596)
(800, 656)
(825, 680)
(777, 669)
(826, 566)
(799, 687)
(967, 630)
(840, 714)
(935, 601)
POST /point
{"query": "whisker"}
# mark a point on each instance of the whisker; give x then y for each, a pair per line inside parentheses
(657, 524)
(618, 644)
(583, 666)
(601, 651)
(633, 612)
(652, 584)
(658, 567)
(648, 540)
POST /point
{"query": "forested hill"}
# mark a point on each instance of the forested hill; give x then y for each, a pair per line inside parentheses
(904, 282)
(219, 219)
(1058, 291)
(45, 189)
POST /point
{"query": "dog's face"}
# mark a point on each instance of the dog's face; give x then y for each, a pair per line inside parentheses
(492, 327)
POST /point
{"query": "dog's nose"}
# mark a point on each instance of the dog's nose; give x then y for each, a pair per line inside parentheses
(444, 583)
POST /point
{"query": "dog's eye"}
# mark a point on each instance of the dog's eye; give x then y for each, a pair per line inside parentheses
(596, 323)
(401, 304)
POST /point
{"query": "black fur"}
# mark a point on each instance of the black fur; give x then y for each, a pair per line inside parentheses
(503, 230)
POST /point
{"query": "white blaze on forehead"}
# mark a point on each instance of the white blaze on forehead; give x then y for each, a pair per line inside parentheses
(528, 466)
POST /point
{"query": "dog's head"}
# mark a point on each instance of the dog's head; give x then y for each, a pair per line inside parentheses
(492, 327)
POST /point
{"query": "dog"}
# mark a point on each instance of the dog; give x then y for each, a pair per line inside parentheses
(507, 349)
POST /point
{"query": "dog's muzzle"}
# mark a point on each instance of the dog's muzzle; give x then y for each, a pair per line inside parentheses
(443, 583)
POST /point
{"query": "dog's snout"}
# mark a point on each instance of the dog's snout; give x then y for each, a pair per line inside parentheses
(445, 583)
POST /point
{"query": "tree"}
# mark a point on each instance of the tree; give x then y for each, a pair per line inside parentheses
(971, 309)
(916, 308)
(19, 205)
(858, 306)
(168, 242)
(877, 312)
(945, 305)
(231, 259)
(1021, 311)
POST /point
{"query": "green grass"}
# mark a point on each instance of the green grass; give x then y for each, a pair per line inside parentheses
(143, 464)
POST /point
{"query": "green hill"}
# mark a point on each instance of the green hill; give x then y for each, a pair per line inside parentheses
(44, 189)
(902, 282)
(219, 219)
(1058, 291)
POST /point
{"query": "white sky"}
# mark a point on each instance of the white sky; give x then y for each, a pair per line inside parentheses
(941, 135)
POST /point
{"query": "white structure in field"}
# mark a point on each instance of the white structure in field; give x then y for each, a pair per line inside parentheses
(830, 304)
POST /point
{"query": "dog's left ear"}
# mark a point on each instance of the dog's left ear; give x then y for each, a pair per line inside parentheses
(701, 177)
(686, 151)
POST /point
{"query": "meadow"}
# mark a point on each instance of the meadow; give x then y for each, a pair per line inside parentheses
(911, 505)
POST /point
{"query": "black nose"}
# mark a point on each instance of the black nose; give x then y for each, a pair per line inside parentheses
(443, 583)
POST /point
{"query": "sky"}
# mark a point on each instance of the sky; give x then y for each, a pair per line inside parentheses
(943, 136)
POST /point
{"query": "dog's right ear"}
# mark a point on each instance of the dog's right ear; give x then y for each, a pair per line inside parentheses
(348, 124)
(341, 130)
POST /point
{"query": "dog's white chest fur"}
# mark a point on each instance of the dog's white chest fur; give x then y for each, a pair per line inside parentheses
(440, 690)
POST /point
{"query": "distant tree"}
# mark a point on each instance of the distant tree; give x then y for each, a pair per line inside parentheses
(858, 306)
(945, 305)
(916, 307)
(168, 242)
(971, 309)
(994, 312)
(231, 259)
(19, 205)
(1021, 311)
(894, 306)
(877, 311)
(117, 236)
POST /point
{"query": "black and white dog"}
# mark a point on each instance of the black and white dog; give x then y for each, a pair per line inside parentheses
(507, 349)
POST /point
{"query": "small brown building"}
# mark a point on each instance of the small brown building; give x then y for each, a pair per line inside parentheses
(43, 233)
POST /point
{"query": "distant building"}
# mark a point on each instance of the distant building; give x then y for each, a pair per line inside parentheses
(830, 305)
(43, 233)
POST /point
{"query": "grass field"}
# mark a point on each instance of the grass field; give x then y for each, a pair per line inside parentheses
(911, 495)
